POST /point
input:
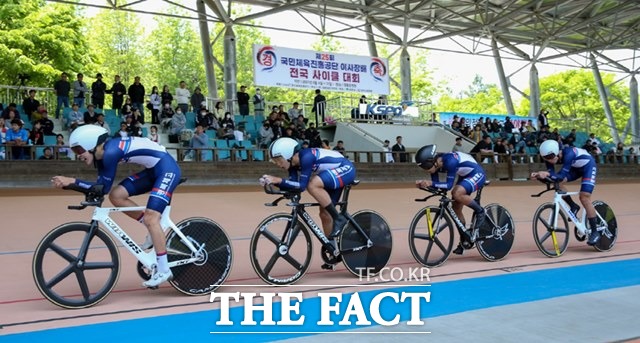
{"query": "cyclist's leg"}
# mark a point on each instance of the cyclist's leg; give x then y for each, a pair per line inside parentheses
(461, 193)
(318, 192)
(587, 185)
(326, 190)
(139, 183)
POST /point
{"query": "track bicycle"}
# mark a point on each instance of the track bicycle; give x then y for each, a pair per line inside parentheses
(551, 221)
(281, 246)
(431, 231)
(77, 264)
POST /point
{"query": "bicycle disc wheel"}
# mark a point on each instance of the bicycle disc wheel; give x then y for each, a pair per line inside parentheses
(75, 269)
(366, 261)
(280, 256)
(610, 234)
(431, 236)
(209, 272)
(495, 237)
(551, 242)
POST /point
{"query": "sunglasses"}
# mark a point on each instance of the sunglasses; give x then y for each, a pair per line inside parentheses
(78, 150)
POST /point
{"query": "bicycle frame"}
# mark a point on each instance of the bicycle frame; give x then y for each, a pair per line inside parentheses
(560, 204)
(445, 205)
(148, 259)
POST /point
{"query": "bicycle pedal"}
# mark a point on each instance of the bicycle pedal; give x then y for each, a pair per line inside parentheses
(328, 266)
(153, 287)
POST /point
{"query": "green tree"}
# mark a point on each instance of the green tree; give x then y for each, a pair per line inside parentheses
(176, 54)
(41, 40)
(117, 39)
(478, 98)
(572, 99)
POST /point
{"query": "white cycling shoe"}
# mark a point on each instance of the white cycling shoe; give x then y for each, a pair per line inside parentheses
(158, 278)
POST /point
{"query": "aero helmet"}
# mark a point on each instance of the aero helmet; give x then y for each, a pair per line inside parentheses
(283, 147)
(426, 156)
(549, 149)
(86, 138)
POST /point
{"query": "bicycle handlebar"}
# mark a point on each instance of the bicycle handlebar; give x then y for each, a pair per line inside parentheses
(93, 196)
(434, 192)
(285, 194)
(548, 181)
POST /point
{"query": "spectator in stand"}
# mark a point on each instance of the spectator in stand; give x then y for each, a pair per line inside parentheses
(80, 90)
(340, 147)
(325, 144)
(203, 119)
(64, 152)
(17, 138)
(136, 94)
(62, 88)
(47, 124)
(295, 111)
(476, 135)
(458, 145)
(499, 150)
(283, 114)
(570, 139)
(198, 100)
(388, 156)
(75, 117)
(399, 151)
(137, 117)
(620, 152)
(243, 101)
(258, 103)
(134, 129)
(182, 97)
(155, 99)
(90, 116)
(30, 105)
(37, 135)
(265, 135)
(219, 110)
(153, 134)
(166, 96)
(165, 116)
(508, 126)
(200, 140)
(127, 108)
(123, 132)
(11, 115)
(300, 123)
(483, 148)
(319, 106)
(100, 122)
(119, 91)
(313, 135)
(47, 154)
(593, 139)
(529, 127)
(543, 120)
(98, 89)
(178, 122)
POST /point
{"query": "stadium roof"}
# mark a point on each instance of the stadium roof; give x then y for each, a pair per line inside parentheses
(548, 31)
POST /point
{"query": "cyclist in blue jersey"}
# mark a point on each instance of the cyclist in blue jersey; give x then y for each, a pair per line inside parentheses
(576, 163)
(324, 173)
(471, 178)
(160, 178)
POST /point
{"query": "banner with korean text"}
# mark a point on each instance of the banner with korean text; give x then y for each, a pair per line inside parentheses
(307, 69)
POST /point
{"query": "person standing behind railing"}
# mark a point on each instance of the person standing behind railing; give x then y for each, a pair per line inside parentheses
(98, 89)
(79, 90)
(319, 106)
(62, 88)
(118, 90)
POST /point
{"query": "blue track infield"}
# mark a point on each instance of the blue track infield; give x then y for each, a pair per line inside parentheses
(447, 297)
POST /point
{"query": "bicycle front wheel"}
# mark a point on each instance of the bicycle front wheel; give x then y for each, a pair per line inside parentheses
(495, 237)
(551, 241)
(280, 253)
(359, 258)
(76, 265)
(431, 236)
(610, 233)
(213, 249)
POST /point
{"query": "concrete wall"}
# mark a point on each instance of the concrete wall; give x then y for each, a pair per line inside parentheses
(39, 173)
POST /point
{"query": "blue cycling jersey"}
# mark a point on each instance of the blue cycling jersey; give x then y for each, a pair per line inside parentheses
(335, 170)
(571, 158)
(459, 164)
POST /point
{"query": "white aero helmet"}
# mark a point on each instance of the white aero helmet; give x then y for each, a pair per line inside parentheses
(283, 147)
(87, 137)
(549, 148)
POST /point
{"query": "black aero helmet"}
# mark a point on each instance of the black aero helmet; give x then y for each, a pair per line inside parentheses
(426, 156)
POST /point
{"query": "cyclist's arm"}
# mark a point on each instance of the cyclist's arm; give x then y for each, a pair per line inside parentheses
(291, 183)
(300, 181)
(106, 173)
(451, 166)
(567, 159)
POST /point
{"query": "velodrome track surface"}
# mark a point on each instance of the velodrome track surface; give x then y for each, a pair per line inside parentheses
(524, 276)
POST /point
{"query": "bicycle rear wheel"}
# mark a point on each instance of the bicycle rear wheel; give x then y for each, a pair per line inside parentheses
(552, 242)
(75, 265)
(495, 237)
(610, 234)
(214, 248)
(280, 255)
(367, 261)
(431, 236)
